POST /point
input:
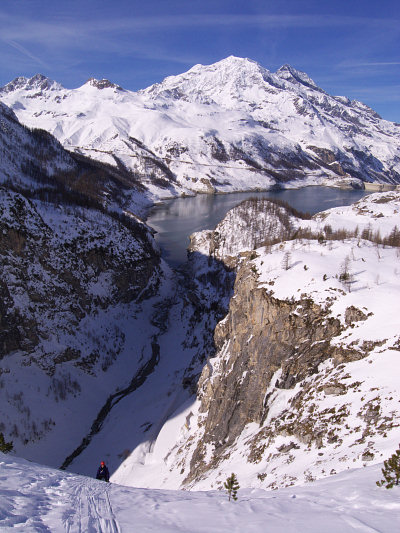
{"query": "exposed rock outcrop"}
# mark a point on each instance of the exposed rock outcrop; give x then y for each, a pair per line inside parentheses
(301, 385)
(260, 336)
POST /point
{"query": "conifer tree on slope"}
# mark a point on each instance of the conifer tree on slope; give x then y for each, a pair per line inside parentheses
(391, 471)
(232, 486)
(5, 447)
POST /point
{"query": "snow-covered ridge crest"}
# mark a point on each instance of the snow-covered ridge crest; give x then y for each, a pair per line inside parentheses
(38, 82)
(232, 125)
(230, 80)
(291, 74)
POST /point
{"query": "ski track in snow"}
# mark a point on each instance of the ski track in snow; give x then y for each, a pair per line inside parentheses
(46, 501)
(38, 499)
(91, 509)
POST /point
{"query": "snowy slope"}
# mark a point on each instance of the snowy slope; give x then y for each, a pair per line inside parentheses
(232, 125)
(32, 160)
(322, 410)
(74, 327)
(92, 320)
(28, 156)
(34, 498)
(81, 280)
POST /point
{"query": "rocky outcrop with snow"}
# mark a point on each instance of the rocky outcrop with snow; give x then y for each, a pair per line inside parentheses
(304, 383)
(232, 125)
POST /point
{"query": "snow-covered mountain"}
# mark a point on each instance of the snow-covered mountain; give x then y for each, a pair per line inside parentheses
(105, 352)
(232, 125)
(32, 160)
(89, 312)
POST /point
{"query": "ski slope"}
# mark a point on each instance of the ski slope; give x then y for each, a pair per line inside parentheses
(34, 498)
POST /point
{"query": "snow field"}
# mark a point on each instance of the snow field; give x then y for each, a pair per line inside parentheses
(34, 498)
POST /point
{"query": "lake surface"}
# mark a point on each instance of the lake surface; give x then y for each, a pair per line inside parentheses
(174, 220)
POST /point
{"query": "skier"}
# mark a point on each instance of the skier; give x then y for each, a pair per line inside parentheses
(102, 472)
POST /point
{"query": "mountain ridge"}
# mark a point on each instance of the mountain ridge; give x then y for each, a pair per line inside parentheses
(229, 126)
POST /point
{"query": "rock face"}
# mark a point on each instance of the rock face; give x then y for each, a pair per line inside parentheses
(233, 125)
(263, 335)
(302, 383)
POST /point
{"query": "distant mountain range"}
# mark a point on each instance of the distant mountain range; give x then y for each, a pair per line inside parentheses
(229, 126)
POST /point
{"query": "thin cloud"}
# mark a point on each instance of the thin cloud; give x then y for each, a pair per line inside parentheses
(65, 32)
(258, 20)
(377, 94)
(26, 53)
(355, 64)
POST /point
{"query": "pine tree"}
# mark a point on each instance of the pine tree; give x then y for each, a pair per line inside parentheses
(345, 276)
(286, 260)
(391, 471)
(5, 447)
(232, 486)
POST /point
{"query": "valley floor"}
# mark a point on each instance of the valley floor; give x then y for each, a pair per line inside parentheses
(39, 499)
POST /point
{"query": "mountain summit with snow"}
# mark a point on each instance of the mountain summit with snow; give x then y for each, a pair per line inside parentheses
(39, 82)
(232, 125)
(232, 82)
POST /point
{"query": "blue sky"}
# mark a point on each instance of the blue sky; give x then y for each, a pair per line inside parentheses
(349, 47)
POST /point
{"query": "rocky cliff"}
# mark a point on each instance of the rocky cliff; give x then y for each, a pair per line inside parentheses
(302, 385)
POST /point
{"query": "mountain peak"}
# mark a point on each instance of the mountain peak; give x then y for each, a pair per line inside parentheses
(235, 60)
(225, 81)
(236, 63)
(103, 84)
(38, 82)
(289, 73)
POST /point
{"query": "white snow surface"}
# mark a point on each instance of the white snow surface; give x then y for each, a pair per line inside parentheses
(229, 126)
(34, 498)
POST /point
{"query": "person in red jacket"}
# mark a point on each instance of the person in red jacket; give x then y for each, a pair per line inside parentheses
(102, 472)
